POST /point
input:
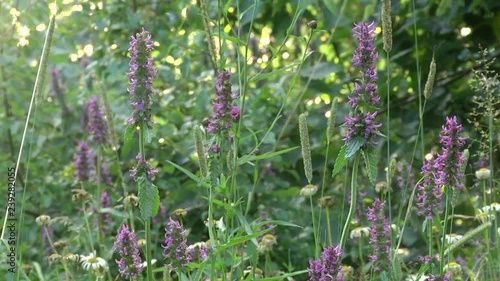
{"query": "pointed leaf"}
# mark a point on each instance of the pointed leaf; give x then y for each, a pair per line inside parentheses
(340, 161)
(149, 198)
(353, 146)
(128, 139)
(371, 157)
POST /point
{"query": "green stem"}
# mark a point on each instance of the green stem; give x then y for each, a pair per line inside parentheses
(315, 230)
(353, 200)
(329, 225)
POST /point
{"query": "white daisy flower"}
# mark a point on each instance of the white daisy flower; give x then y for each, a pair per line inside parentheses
(415, 277)
(360, 232)
(452, 238)
(95, 264)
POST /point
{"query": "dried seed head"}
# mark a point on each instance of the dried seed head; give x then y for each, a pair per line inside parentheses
(43, 220)
(200, 150)
(80, 195)
(54, 258)
(306, 148)
(141, 243)
(313, 24)
(61, 244)
(386, 25)
(429, 85)
(64, 220)
(179, 213)
(331, 121)
(381, 187)
(483, 174)
(326, 201)
(308, 190)
(130, 201)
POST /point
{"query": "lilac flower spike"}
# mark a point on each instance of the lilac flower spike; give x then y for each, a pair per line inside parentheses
(175, 250)
(130, 263)
(140, 77)
(380, 236)
(429, 193)
(361, 123)
(223, 111)
(365, 59)
(449, 162)
(96, 124)
(327, 268)
(83, 162)
(143, 167)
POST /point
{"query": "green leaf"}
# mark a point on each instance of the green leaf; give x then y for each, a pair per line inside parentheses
(340, 161)
(319, 71)
(128, 139)
(114, 212)
(149, 198)
(189, 174)
(353, 146)
(147, 134)
(241, 239)
(371, 156)
(249, 158)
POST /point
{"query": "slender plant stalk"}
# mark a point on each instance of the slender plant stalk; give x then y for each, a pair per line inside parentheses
(352, 207)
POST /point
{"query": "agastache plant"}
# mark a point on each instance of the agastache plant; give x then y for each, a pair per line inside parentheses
(84, 163)
(129, 264)
(361, 122)
(175, 249)
(380, 236)
(96, 125)
(140, 78)
(328, 266)
(224, 113)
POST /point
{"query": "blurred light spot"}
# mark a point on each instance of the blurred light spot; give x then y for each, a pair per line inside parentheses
(113, 46)
(230, 10)
(285, 55)
(88, 50)
(227, 28)
(41, 27)
(265, 58)
(22, 42)
(34, 63)
(184, 13)
(77, 8)
(53, 8)
(250, 61)
(181, 32)
(459, 222)
(106, 29)
(309, 102)
(49, 99)
(259, 60)
(161, 140)
(73, 57)
(378, 30)
(80, 53)
(114, 148)
(464, 31)
(328, 114)
(178, 62)
(317, 100)
(170, 59)
(24, 31)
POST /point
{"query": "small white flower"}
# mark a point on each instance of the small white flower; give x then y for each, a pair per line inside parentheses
(452, 238)
(95, 264)
(483, 174)
(360, 232)
(308, 190)
(415, 277)
(485, 214)
(145, 264)
(454, 268)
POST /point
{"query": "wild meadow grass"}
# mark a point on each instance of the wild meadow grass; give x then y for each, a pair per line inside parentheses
(363, 213)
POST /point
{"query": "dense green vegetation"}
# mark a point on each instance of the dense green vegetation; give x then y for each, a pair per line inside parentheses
(287, 58)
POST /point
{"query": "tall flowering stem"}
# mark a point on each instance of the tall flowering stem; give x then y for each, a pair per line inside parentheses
(83, 162)
(175, 249)
(328, 266)
(361, 122)
(141, 91)
(129, 264)
(140, 77)
(380, 236)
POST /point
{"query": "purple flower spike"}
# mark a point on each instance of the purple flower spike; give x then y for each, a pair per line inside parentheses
(361, 123)
(223, 111)
(84, 162)
(96, 125)
(175, 250)
(140, 77)
(449, 162)
(143, 167)
(328, 267)
(129, 264)
(380, 236)
(429, 193)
